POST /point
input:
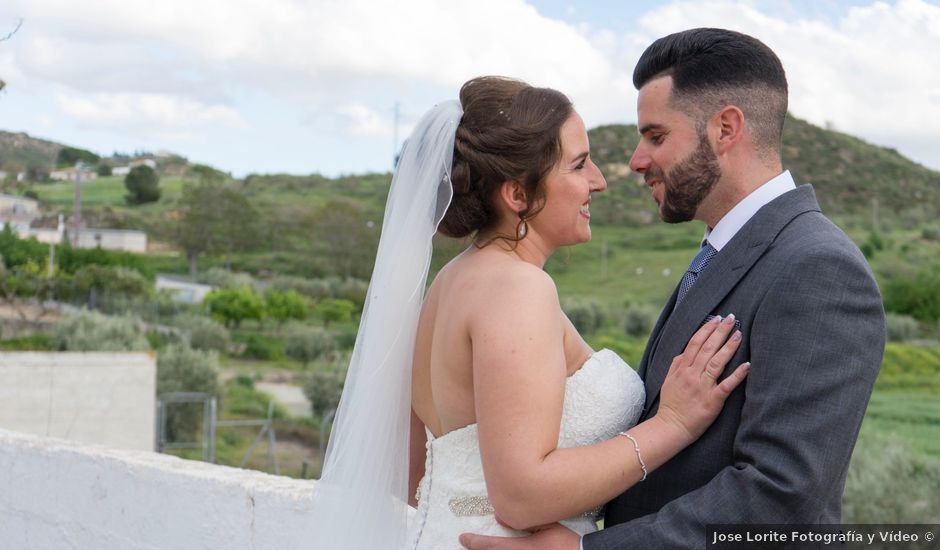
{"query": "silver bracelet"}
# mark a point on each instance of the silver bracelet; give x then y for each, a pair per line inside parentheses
(636, 447)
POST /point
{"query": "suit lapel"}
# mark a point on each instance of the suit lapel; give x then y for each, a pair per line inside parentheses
(714, 283)
(657, 333)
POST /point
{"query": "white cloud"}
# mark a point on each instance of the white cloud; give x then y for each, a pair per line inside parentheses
(869, 73)
(363, 121)
(336, 67)
(139, 114)
(324, 53)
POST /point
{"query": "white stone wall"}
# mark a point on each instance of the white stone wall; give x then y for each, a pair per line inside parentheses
(103, 398)
(61, 494)
(128, 240)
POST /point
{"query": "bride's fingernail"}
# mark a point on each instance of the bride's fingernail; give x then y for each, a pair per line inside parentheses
(730, 316)
(736, 336)
(717, 319)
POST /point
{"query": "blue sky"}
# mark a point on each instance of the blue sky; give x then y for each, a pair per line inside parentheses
(311, 86)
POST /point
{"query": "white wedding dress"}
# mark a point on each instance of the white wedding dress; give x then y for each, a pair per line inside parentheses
(604, 397)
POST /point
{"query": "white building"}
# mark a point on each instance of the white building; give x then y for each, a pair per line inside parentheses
(127, 240)
(68, 174)
(183, 290)
(15, 206)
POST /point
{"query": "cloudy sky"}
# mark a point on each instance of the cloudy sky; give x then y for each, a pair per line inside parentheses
(305, 86)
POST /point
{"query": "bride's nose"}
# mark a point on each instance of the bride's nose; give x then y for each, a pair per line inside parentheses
(597, 181)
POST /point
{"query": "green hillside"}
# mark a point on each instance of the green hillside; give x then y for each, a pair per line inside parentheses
(850, 176)
(19, 152)
(858, 185)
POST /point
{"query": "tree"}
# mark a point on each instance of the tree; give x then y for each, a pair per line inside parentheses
(234, 305)
(68, 156)
(117, 280)
(342, 228)
(285, 305)
(182, 369)
(143, 185)
(214, 219)
(324, 389)
(306, 344)
(91, 331)
(26, 289)
(333, 309)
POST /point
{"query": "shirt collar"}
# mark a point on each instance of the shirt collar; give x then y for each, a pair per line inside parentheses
(742, 212)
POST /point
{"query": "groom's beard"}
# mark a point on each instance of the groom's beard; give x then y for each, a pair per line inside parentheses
(687, 184)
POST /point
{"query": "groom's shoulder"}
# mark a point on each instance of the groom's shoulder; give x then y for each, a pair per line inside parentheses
(812, 234)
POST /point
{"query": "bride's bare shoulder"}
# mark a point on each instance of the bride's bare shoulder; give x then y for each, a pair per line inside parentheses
(487, 278)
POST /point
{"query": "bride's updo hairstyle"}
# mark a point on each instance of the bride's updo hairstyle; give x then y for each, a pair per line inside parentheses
(509, 131)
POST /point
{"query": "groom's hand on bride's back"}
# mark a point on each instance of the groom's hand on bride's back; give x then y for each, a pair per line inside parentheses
(553, 537)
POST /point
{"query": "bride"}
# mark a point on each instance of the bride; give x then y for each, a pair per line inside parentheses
(479, 403)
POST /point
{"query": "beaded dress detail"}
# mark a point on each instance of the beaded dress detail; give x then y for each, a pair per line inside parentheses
(604, 397)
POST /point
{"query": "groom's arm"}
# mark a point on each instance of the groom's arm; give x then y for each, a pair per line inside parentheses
(816, 346)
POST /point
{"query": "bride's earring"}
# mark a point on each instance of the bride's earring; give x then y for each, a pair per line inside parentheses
(522, 228)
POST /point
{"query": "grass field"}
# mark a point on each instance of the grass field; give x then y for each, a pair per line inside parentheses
(106, 191)
(912, 417)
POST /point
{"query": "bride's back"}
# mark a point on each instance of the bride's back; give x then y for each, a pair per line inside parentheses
(442, 368)
(442, 375)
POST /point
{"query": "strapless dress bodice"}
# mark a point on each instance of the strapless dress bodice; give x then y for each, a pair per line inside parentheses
(602, 398)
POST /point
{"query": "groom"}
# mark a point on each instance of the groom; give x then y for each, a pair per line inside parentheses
(711, 110)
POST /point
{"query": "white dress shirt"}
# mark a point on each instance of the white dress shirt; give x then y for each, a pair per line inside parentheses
(742, 212)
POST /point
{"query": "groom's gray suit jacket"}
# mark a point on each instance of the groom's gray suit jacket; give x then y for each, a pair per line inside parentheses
(813, 326)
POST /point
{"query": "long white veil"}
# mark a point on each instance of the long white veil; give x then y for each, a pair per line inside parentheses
(361, 500)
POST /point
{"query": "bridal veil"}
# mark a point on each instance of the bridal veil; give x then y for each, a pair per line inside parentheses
(361, 501)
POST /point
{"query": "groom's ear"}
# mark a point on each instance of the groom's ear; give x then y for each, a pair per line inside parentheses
(512, 193)
(729, 128)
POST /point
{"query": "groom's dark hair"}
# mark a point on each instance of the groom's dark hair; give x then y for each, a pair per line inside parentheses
(713, 68)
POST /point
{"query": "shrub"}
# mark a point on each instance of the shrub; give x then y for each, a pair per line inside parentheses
(917, 295)
(91, 331)
(71, 259)
(306, 344)
(333, 309)
(324, 388)
(887, 483)
(224, 278)
(587, 315)
(639, 320)
(115, 281)
(261, 348)
(203, 333)
(183, 369)
(901, 327)
(311, 288)
(931, 233)
(33, 342)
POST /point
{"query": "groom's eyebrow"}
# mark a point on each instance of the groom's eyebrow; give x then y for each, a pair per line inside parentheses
(650, 127)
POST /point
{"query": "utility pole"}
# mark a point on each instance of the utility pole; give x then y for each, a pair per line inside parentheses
(61, 232)
(77, 210)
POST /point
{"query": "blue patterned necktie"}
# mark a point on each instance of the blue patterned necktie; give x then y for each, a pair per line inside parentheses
(699, 263)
